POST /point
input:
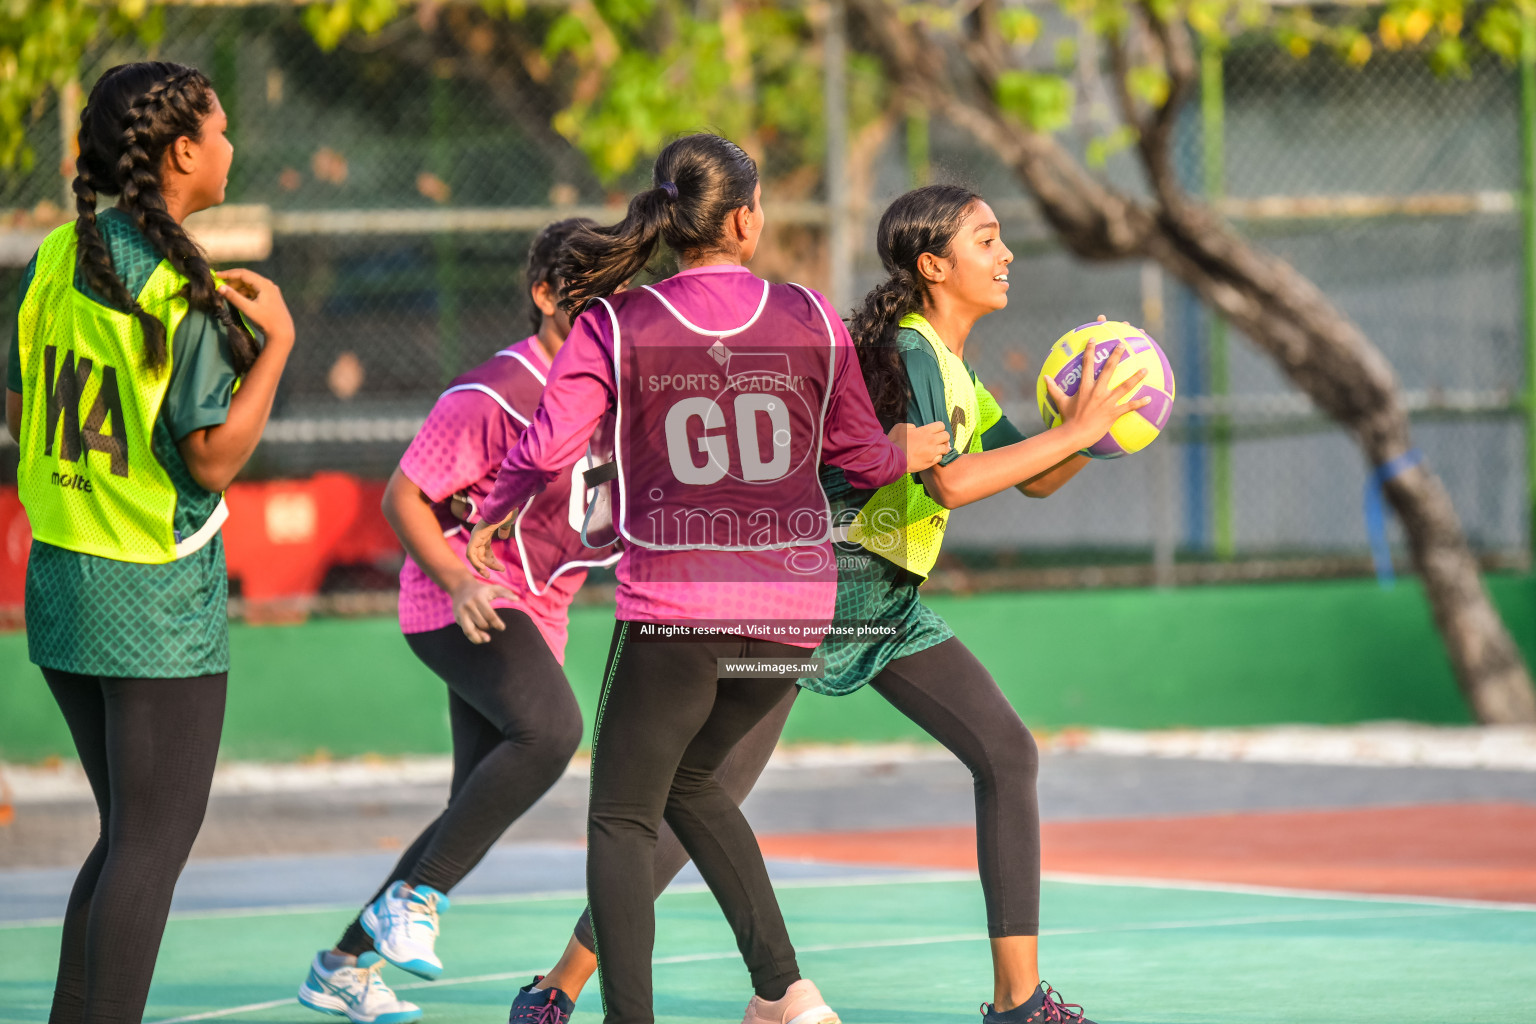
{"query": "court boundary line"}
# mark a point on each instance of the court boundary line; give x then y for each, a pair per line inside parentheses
(896, 877)
(1245, 889)
(912, 878)
(916, 940)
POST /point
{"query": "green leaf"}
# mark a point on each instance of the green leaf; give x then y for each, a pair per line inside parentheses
(1066, 52)
(1449, 58)
(1019, 25)
(1149, 84)
(1042, 101)
(1102, 147)
(1499, 31)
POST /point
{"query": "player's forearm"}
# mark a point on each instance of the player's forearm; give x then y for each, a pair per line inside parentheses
(983, 474)
(13, 414)
(1051, 481)
(406, 510)
(216, 454)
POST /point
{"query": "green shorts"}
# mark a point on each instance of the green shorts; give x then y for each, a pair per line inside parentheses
(879, 617)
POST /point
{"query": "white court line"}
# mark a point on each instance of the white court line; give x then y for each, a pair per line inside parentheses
(913, 878)
(897, 877)
(1072, 878)
(919, 940)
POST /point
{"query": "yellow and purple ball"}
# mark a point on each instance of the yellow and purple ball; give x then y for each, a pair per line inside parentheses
(1131, 432)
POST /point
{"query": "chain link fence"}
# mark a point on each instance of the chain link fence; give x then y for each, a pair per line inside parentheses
(392, 187)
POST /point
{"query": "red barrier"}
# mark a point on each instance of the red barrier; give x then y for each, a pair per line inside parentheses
(15, 541)
(281, 538)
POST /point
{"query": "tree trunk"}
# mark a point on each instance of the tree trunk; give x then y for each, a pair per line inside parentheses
(1285, 314)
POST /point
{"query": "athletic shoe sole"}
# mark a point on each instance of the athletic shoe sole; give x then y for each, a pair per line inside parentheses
(816, 1015)
(326, 1003)
(421, 968)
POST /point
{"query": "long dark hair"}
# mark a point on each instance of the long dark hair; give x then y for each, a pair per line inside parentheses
(697, 181)
(543, 253)
(134, 113)
(923, 220)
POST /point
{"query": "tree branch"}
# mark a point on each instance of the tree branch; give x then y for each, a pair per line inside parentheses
(1178, 58)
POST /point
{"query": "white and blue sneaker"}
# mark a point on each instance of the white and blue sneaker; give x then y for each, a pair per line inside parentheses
(356, 992)
(403, 925)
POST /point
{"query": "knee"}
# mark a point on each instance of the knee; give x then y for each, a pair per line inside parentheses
(563, 733)
(1012, 755)
(688, 783)
(158, 850)
(554, 737)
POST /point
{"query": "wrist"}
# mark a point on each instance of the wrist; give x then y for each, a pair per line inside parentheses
(1081, 436)
(278, 341)
(456, 579)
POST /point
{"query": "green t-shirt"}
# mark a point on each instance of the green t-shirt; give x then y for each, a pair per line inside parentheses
(99, 616)
(870, 589)
(926, 405)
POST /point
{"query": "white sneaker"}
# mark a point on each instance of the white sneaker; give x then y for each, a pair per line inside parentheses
(801, 1004)
(357, 993)
(403, 925)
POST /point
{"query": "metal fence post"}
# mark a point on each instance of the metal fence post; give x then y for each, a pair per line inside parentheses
(839, 227)
(70, 104)
(445, 245)
(1528, 217)
(1164, 531)
(919, 168)
(1213, 123)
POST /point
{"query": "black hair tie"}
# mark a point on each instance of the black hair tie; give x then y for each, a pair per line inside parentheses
(670, 189)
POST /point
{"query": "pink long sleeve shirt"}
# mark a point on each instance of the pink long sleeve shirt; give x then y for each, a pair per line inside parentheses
(688, 587)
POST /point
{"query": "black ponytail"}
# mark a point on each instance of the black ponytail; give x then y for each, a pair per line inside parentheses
(923, 220)
(698, 180)
(134, 114)
(542, 254)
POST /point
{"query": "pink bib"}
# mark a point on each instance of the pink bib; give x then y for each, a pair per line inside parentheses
(718, 433)
(547, 531)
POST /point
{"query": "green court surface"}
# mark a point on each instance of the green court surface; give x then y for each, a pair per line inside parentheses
(904, 952)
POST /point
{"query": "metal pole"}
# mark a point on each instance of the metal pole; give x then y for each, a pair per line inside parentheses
(839, 223)
(918, 167)
(447, 265)
(1213, 120)
(1164, 537)
(69, 138)
(1528, 211)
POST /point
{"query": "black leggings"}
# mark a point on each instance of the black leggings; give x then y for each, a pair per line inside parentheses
(515, 725)
(948, 692)
(737, 774)
(665, 723)
(953, 697)
(148, 747)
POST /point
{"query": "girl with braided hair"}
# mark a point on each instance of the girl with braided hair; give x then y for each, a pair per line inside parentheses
(121, 393)
(947, 267)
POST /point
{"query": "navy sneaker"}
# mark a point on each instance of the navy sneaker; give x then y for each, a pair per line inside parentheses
(1044, 1007)
(540, 1005)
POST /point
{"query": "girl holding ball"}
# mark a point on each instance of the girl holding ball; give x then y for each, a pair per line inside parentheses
(948, 267)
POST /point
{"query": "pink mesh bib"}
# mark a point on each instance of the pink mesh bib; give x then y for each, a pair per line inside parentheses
(718, 433)
(547, 531)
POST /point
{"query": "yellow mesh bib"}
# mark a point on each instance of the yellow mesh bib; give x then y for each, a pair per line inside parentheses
(901, 523)
(88, 475)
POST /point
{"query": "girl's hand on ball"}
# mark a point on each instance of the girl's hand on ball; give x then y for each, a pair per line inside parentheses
(924, 445)
(480, 555)
(1096, 406)
(473, 611)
